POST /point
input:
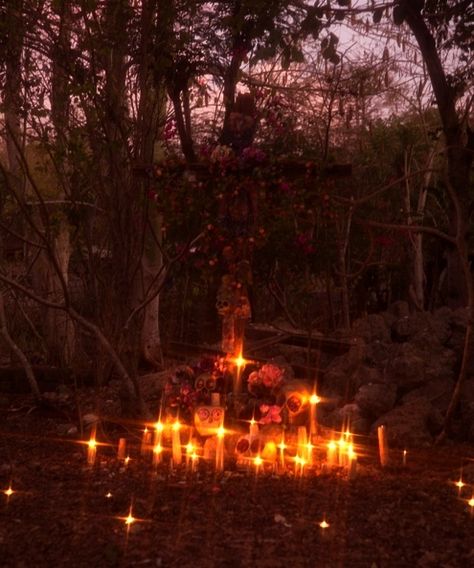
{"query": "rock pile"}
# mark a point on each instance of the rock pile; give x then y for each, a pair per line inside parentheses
(401, 372)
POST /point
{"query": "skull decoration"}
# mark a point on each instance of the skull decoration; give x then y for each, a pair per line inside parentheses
(296, 400)
(208, 419)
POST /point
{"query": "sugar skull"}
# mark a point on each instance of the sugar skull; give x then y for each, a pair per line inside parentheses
(207, 419)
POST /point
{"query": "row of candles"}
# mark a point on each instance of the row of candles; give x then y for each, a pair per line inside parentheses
(273, 455)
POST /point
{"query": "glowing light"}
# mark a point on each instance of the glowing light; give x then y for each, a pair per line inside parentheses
(220, 432)
(314, 399)
(129, 519)
(332, 445)
(8, 492)
(92, 444)
(157, 449)
(159, 427)
(126, 461)
(176, 426)
(471, 502)
(190, 448)
(258, 461)
(324, 524)
(282, 446)
(460, 484)
(108, 495)
(240, 361)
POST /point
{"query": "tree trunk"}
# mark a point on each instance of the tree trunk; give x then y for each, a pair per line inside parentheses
(150, 123)
(13, 96)
(459, 150)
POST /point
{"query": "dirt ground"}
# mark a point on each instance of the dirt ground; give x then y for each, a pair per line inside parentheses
(63, 513)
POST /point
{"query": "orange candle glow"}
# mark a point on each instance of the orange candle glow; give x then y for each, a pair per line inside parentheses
(91, 451)
(176, 443)
(220, 448)
(282, 447)
(258, 463)
(240, 363)
(157, 454)
(314, 400)
(331, 454)
(146, 441)
(122, 448)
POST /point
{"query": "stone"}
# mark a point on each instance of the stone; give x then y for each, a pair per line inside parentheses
(368, 375)
(375, 399)
(437, 391)
(377, 354)
(371, 328)
(411, 424)
(407, 370)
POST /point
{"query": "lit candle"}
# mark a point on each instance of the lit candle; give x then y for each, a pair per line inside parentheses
(189, 453)
(240, 363)
(126, 461)
(299, 465)
(331, 454)
(282, 447)
(404, 461)
(220, 448)
(176, 443)
(122, 448)
(8, 492)
(342, 454)
(258, 462)
(460, 484)
(157, 454)
(383, 445)
(471, 504)
(314, 400)
(91, 450)
(253, 431)
(269, 453)
(302, 441)
(194, 461)
(159, 427)
(146, 441)
(324, 524)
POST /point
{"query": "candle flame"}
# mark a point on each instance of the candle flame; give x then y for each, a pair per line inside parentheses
(129, 519)
(92, 443)
(471, 502)
(314, 399)
(176, 426)
(220, 432)
(282, 445)
(8, 492)
(324, 524)
(332, 445)
(240, 361)
(258, 461)
(146, 430)
(126, 460)
(194, 456)
(157, 449)
(190, 448)
(460, 484)
(108, 495)
(159, 427)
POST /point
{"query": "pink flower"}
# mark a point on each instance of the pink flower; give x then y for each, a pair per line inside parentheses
(271, 415)
(254, 378)
(271, 375)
